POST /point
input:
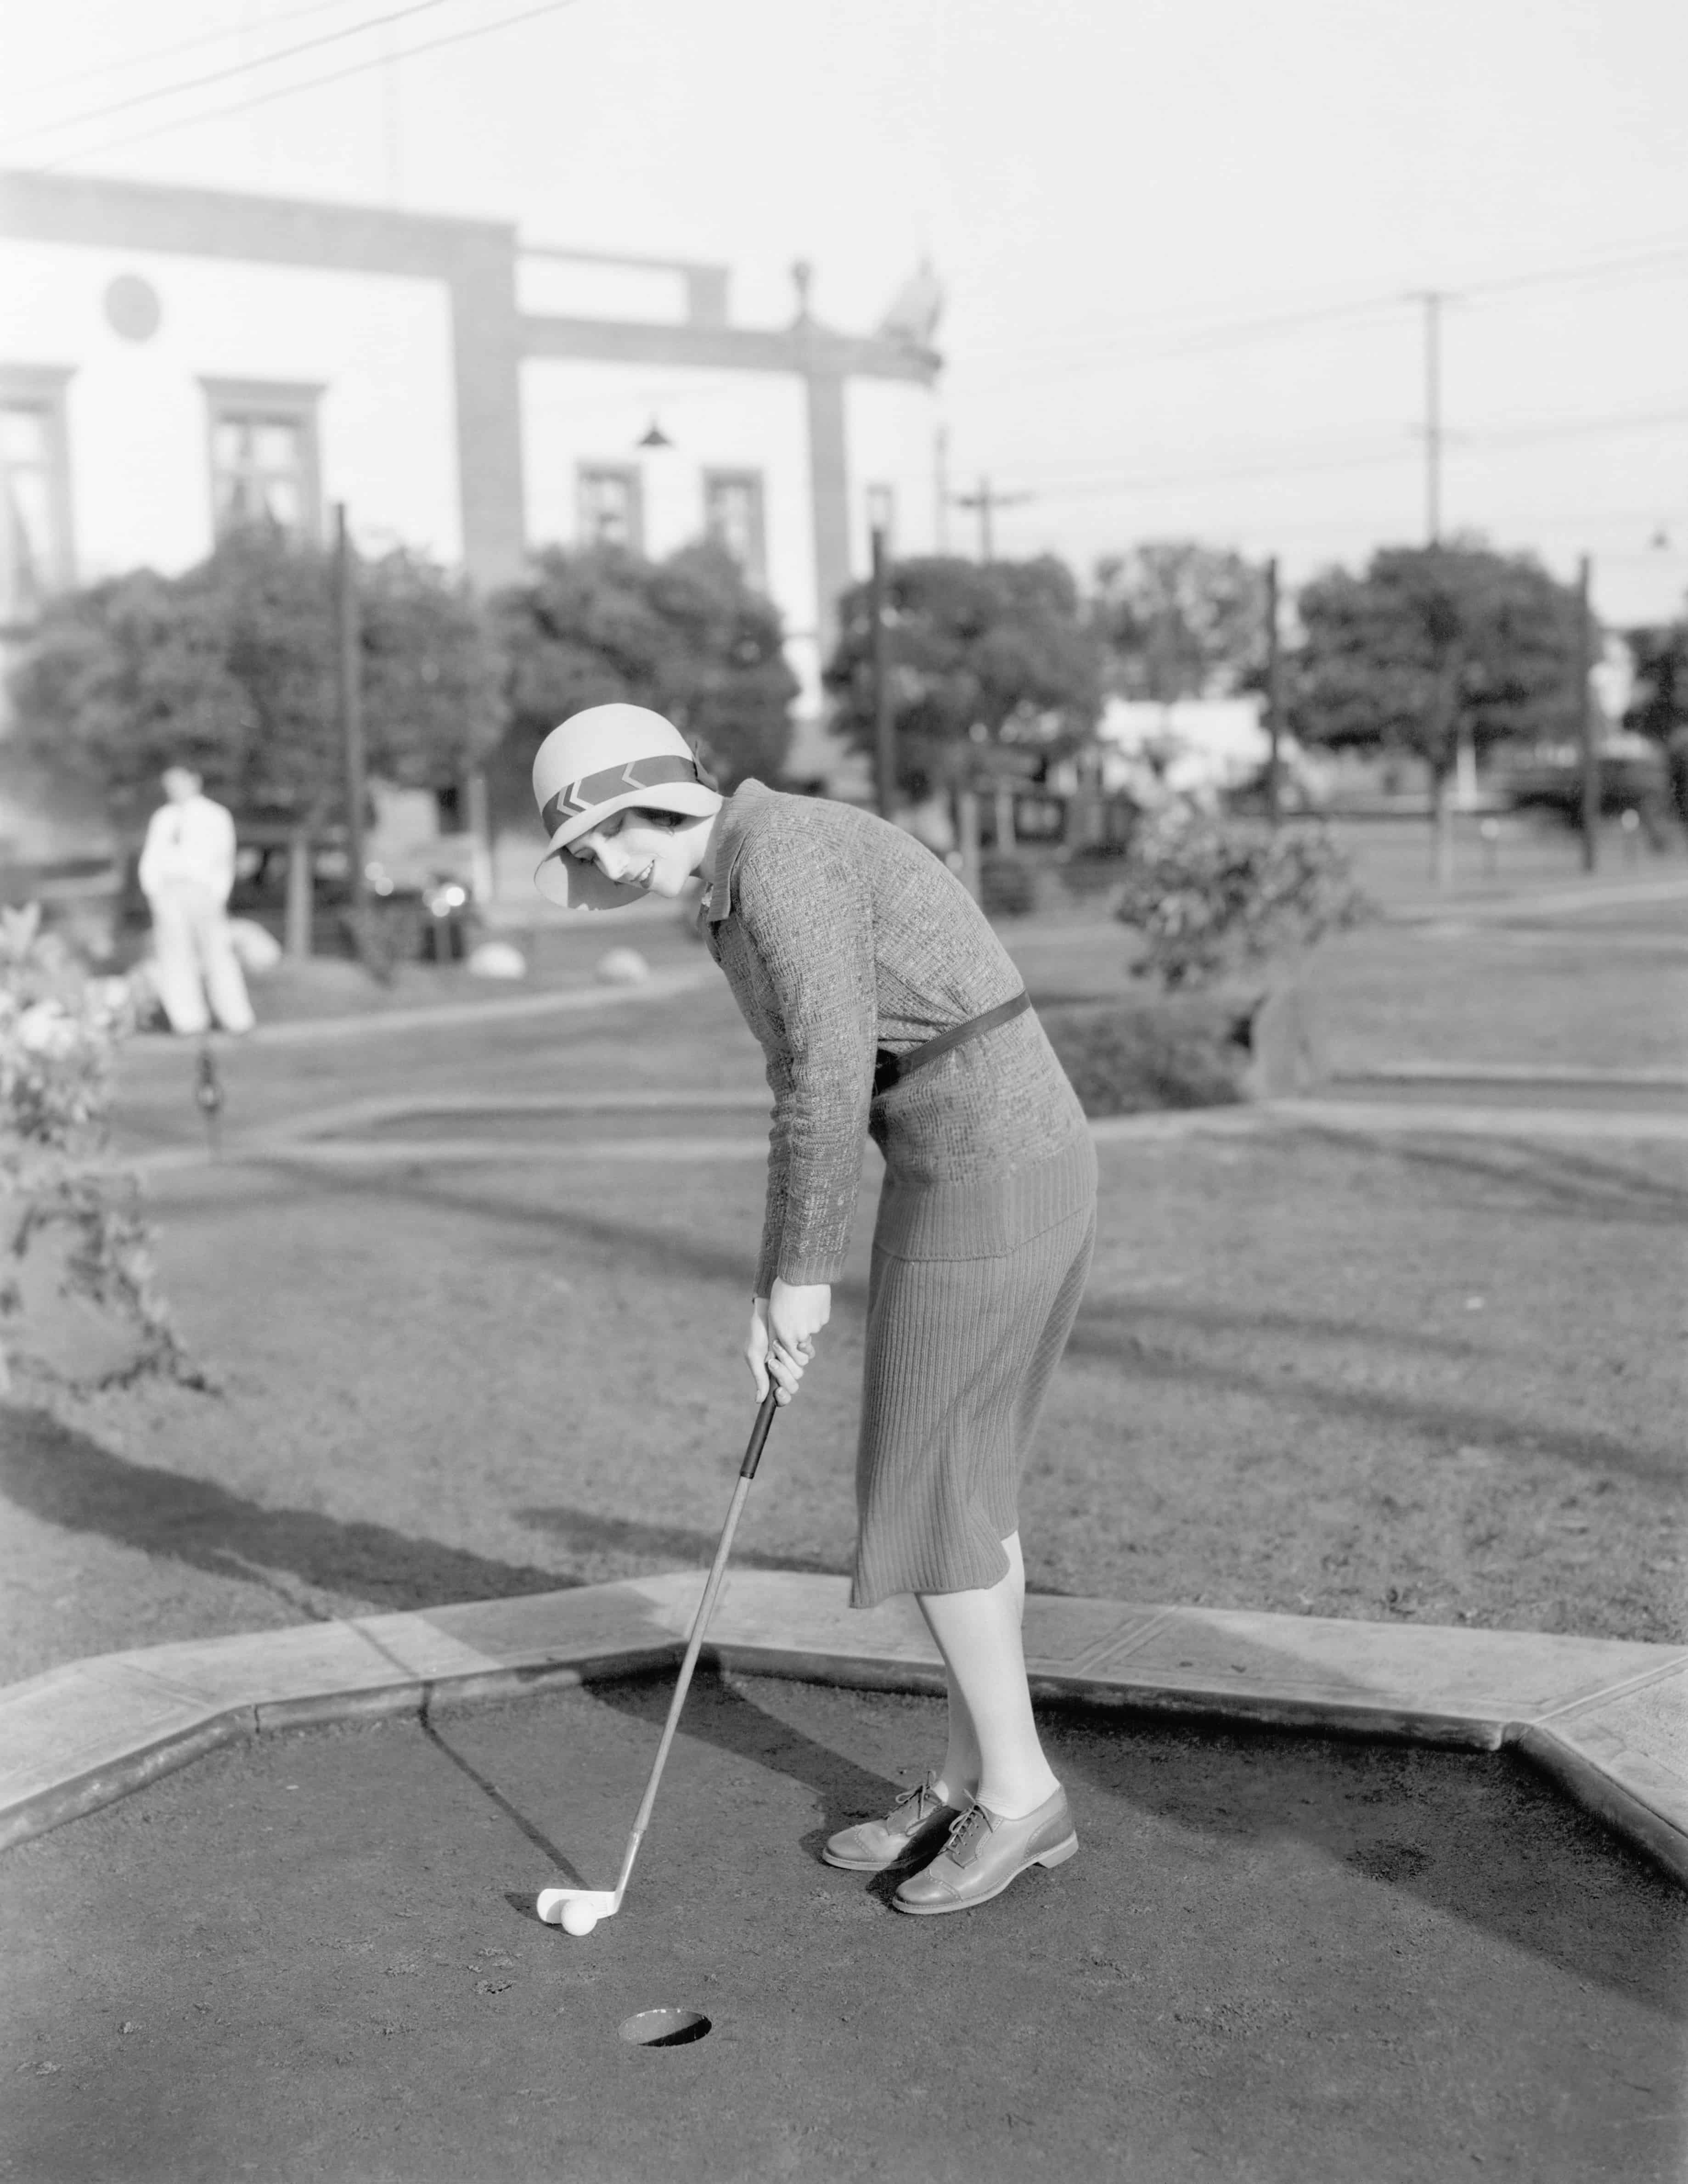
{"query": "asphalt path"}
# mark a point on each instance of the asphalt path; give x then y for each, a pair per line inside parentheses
(1275, 1959)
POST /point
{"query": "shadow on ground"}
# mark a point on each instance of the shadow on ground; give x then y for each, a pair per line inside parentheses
(68, 1480)
(1104, 1333)
(720, 1712)
(1527, 1176)
(1458, 1832)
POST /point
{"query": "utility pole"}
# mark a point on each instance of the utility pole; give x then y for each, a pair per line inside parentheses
(987, 500)
(1432, 299)
(884, 720)
(1450, 717)
(348, 682)
(1586, 724)
(1274, 695)
(941, 451)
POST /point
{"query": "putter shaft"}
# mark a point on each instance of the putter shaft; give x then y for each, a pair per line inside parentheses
(747, 1472)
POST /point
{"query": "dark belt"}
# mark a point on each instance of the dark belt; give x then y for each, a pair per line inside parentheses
(889, 1069)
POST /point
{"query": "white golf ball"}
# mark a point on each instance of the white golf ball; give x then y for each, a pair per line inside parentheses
(579, 1918)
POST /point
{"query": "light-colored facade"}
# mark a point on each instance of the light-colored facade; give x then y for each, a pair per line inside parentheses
(353, 369)
(172, 360)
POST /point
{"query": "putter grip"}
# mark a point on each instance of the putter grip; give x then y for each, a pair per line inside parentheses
(759, 1434)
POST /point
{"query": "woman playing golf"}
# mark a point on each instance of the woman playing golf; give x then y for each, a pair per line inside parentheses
(886, 1008)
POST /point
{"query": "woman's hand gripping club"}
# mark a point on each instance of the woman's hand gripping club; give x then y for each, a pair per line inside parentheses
(782, 1330)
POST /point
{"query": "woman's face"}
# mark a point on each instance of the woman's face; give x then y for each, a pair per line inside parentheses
(656, 852)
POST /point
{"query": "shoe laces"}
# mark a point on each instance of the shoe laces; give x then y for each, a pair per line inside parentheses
(962, 1848)
(920, 1796)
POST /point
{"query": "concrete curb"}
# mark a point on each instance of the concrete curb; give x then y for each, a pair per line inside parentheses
(1382, 1118)
(453, 1016)
(1417, 1071)
(1605, 1718)
(310, 1142)
(1545, 901)
(403, 1107)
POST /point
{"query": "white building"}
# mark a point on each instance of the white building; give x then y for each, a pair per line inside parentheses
(174, 359)
(1200, 748)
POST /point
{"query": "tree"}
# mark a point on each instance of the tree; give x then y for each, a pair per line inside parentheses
(229, 668)
(1433, 646)
(997, 652)
(1659, 705)
(688, 637)
(1180, 620)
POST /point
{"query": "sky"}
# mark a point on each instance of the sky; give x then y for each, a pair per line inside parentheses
(1183, 243)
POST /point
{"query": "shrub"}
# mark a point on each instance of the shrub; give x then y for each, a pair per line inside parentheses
(1129, 1058)
(1211, 899)
(1008, 886)
(59, 1036)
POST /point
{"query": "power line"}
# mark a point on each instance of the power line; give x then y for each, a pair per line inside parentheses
(1432, 300)
(313, 83)
(987, 499)
(1360, 439)
(1110, 485)
(1242, 333)
(224, 74)
(1565, 524)
(1652, 257)
(1570, 428)
(1660, 255)
(116, 66)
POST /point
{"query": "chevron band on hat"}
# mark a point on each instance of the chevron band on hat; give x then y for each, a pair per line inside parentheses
(595, 789)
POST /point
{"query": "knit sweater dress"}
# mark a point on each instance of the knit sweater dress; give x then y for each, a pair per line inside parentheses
(840, 935)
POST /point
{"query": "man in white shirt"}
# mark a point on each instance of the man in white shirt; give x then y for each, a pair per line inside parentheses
(187, 868)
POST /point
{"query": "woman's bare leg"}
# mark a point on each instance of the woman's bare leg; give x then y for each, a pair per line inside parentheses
(994, 1746)
(958, 1779)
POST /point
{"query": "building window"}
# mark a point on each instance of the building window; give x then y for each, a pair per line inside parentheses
(733, 518)
(611, 508)
(35, 516)
(264, 457)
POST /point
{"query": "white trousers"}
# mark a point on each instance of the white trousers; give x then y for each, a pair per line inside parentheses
(196, 960)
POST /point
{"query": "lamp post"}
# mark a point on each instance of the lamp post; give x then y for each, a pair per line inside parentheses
(1274, 699)
(349, 684)
(884, 719)
(1588, 736)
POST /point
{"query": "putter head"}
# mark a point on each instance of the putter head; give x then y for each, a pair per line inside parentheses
(602, 1903)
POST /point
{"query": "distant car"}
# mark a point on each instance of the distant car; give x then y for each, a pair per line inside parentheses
(79, 896)
(1633, 777)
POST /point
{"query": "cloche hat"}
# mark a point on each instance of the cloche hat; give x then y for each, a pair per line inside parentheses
(607, 759)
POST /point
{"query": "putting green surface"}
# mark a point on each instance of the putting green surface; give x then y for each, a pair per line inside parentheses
(313, 1957)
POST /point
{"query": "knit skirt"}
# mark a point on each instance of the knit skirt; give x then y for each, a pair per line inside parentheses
(959, 1354)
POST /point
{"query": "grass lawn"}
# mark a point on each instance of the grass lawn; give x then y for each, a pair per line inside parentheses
(1431, 1378)
(1567, 996)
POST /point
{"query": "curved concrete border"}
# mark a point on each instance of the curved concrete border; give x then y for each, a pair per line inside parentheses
(1605, 1718)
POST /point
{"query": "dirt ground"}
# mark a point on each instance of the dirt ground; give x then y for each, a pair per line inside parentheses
(1275, 1961)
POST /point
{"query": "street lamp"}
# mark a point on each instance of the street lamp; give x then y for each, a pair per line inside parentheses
(880, 505)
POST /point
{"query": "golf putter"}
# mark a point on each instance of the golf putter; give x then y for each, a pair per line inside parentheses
(578, 1910)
